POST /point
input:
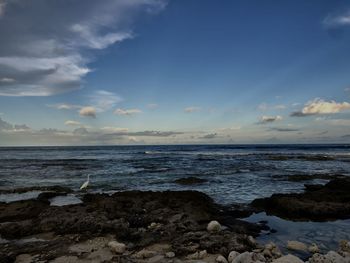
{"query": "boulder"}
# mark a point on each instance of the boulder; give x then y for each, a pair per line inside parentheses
(214, 226)
(221, 259)
(232, 256)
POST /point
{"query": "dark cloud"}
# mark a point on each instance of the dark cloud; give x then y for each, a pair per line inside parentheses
(44, 44)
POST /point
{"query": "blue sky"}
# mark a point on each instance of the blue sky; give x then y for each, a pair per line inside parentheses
(187, 71)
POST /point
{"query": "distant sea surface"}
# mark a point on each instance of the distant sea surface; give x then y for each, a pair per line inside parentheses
(234, 173)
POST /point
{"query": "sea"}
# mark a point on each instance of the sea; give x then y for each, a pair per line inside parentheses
(233, 174)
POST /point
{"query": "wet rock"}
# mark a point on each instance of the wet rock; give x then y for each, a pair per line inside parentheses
(55, 188)
(221, 259)
(214, 226)
(330, 202)
(21, 210)
(296, 245)
(313, 249)
(288, 259)
(117, 247)
(170, 254)
(140, 219)
(190, 180)
(344, 245)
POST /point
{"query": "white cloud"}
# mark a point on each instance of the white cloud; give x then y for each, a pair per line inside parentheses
(336, 20)
(269, 119)
(95, 41)
(72, 123)
(65, 106)
(127, 112)
(104, 100)
(319, 106)
(88, 112)
(53, 56)
(192, 109)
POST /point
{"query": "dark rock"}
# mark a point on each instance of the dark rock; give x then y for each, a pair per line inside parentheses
(190, 180)
(180, 217)
(330, 202)
(21, 210)
(55, 188)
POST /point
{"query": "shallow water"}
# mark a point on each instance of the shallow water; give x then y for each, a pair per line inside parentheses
(325, 234)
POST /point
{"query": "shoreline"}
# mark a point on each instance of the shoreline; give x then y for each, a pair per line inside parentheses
(170, 226)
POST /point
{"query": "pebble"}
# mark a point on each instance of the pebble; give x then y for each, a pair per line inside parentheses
(117, 247)
(170, 254)
(214, 226)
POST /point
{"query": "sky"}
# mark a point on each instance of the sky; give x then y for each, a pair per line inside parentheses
(119, 72)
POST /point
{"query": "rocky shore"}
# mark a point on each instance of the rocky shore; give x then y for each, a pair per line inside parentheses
(171, 226)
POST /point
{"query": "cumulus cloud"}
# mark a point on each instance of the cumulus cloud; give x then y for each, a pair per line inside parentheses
(319, 106)
(269, 119)
(192, 109)
(72, 123)
(127, 112)
(53, 56)
(337, 20)
(88, 112)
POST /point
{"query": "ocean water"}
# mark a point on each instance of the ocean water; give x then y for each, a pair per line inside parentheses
(234, 173)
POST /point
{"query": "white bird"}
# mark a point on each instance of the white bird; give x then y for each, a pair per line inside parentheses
(85, 185)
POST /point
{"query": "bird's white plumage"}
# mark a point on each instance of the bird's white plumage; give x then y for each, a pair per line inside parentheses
(85, 185)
